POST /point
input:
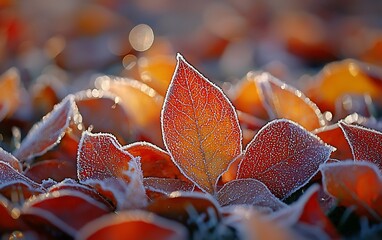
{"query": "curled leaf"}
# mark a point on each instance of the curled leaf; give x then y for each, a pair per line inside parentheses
(101, 162)
(200, 127)
(132, 225)
(283, 156)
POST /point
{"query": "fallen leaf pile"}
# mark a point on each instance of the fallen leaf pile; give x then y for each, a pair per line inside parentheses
(260, 160)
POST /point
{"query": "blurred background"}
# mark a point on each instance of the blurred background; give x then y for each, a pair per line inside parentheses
(69, 41)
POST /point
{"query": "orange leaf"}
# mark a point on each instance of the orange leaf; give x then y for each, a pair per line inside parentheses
(141, 102)
(284, 101)
(200, 127)
(356, 183)
(132, 225)
(340, 78)
(365, 144)
(154, 161)
(101, 162)
(10, 96)
(283, 156)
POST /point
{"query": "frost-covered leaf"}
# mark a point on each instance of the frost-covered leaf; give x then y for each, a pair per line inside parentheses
(180, 206)
(284, 101)
(10, 97)
(10, 176)
(102, 163)
(283, 156)
(54, 169)
(132, 225)
(154, 161)
(141, 102)
(65, 209)
(334, 136)
(200, 127)
(250, 192)
(355, 183)
(365, 144)
(167, 185)
(9, 158)
(48, 132)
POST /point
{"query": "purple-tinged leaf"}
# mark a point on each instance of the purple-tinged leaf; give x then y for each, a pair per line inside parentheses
(9, 158)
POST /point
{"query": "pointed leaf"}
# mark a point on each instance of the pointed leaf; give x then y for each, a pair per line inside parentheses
(365, 144)
(283, 156)
(132, 225)
(284, 101)
(356, 183)
(154, 161)
(65, 209)
(102, 163)
(200, 127)
(48, 132)
(9, 158)
(248, 191)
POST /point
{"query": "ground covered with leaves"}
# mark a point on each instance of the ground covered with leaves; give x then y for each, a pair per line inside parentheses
(153, 149)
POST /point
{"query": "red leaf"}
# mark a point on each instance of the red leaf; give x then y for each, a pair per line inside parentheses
(365, 144)
(248, 191)
(200, 127)
(65, 209)
(9, 158)
(283, 156)
(9, 216)
(54, 169)
(154, 161)
(334, 136)
(132, 225)
(47, 133)
(102, 163)
(356, 183)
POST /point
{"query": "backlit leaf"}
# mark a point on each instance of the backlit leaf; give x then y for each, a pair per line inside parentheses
(356, 183)
(365, 144)
(284, 101)
(48, 132)
(65, 209)
(155, 162)
(132, 225)
(200, 127)
(283, 156)
(101, 162)
(141, 102)
(248, 191)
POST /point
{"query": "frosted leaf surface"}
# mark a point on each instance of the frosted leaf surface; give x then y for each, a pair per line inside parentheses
(9, 158)
(365, 144)
(283, 156)
(102, 163)
(356, 183)
(284, 101)
(200, 127)
(248, 191)
(47, 133)
(10, 176)
(167, 185)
